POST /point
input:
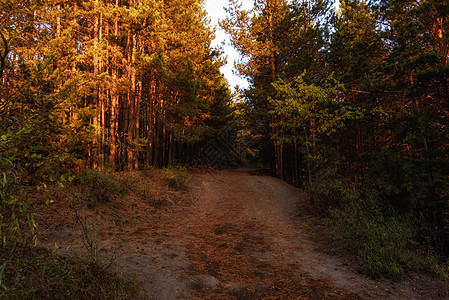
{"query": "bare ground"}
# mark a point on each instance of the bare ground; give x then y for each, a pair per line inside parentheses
(232, 236)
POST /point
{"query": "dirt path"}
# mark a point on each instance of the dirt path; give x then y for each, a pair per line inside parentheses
(241, 238)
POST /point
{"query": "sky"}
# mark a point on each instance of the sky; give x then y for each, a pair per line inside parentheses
(216, 12)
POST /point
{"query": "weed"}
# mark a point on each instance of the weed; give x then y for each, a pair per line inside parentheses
(17, 224)
(35, 273)
(138, 184)
(97, 187)
(90, 244)
(387, 242)
(385, 245)
(177, 177)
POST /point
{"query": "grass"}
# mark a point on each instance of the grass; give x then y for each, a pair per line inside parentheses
(97, 187)
(35, 273)
(93, 187)
(386, 245)
(141, 186)
(177, 177)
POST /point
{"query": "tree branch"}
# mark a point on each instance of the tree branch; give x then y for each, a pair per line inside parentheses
(4, 55)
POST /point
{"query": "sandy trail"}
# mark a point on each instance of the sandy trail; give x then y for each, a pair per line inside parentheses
(241, 238)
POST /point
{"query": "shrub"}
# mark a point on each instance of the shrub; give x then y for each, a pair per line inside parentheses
(177, 177)
(35, 273)
(138, 184)
(17, 223)
(386, 220)
(385, 245)
(329, 188)
(414, 186)
(98, 187)
(330, 191)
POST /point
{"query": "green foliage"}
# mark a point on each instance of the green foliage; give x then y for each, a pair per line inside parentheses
(330, 189)
(33, 273)
(10, 187)
(382, 253)
(413, 186)
(305, 110)
(98, 187)
(139, 184)
(177, 177)
(378, 218)
(17, 224)
(386, 246)
(35, 135)
(355, 43)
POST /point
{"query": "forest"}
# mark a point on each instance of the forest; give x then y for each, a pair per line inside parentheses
(352, 104)
(349, 102)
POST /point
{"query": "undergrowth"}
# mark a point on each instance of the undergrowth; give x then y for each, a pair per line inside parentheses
(139, 183)
(97, 187)
(386, 246)
(30, 272)
(17, 224)
(177, 177)
(387, 242)
(93, 187)
(35, 273)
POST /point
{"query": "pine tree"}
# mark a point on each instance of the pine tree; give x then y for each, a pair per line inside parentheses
(126, 83)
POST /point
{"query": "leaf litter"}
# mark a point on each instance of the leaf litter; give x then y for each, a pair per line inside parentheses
(230, 236)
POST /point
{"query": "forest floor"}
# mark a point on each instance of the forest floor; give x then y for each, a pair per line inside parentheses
(232, 235)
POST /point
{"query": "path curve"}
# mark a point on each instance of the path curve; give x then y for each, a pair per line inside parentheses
(232, 236)
(242, 239)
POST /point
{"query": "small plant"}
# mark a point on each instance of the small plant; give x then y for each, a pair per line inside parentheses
(17, 223)
(385, 244)
(35, 273)
(177, 177)
(2, 271)
(98, 187)
(21, 229)
(330, 191)
(91, 245)
(138, 184)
